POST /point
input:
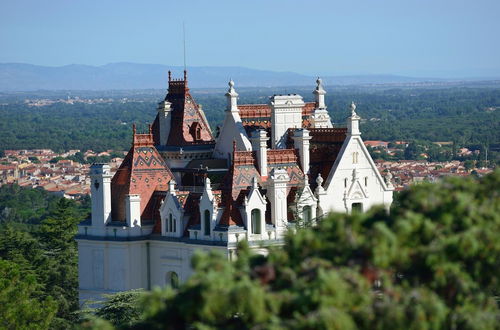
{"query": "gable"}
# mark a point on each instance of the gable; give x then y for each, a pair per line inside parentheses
(353, 155)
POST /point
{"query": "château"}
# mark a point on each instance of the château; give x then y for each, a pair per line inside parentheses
(180, 188)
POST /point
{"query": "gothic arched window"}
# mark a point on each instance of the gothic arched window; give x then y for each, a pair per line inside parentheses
(256, 221)
(207, 223)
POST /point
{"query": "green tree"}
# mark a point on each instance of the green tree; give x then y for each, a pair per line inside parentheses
(120, 309)
(56, 236)
(20, 308)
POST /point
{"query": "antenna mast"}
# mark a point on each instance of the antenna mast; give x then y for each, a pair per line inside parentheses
(184, 40)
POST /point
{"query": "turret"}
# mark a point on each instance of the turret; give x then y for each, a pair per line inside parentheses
(100, 175)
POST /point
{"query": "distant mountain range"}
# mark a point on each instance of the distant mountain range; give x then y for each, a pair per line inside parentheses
(28, 77)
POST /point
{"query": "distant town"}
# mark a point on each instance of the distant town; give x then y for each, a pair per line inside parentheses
(62, 174)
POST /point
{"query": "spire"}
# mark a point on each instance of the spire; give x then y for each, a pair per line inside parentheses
(169, 76)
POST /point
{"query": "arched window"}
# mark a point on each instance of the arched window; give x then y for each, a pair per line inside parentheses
(306, 213)
(172, 279)
(207, 223)
(169, 228)
(256, 222)
(174, 226)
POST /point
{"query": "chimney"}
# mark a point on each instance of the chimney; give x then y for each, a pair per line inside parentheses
(100, 175)
(259, 145)
(301, 139)
(133, 210)
(164, 118)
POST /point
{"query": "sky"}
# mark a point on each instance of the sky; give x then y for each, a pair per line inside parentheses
(420, 38)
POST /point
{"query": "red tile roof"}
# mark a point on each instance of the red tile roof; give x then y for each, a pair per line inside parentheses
(142, 172)
(188, 125)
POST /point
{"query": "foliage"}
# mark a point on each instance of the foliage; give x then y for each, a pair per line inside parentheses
(431, 264)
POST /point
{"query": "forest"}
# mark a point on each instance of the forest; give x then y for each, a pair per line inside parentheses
(467, 116)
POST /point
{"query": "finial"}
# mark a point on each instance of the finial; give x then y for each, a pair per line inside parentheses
(319, 180)
(150, 129)
(353, 108)
(207, 182)
(231, 83)
(134, 128)
(319, 81)
(169, 76)
(254, 183)
(185, 75)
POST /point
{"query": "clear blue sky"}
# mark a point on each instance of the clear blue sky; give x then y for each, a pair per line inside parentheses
(447, 38)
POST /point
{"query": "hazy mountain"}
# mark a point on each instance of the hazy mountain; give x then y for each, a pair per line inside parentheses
(27, 77)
